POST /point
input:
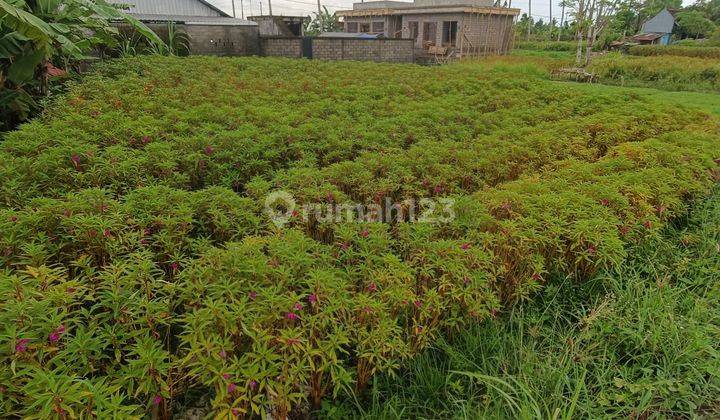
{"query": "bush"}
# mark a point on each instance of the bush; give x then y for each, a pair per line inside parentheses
(139, 269)
(684, 51)
(664, 72)
(547, 45)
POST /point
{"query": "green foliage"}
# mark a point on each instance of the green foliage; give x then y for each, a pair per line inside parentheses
(661, 71)
(694, 23)
(681, 51)
(322, 21)
(547, 46)
(638, 341)
(39, 35)
(139, 267)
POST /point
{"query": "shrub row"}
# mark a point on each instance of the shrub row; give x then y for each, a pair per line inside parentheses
(665, 72)
(684, 51)
(140, 270)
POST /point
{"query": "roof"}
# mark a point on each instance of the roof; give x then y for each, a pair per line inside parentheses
(418, 10)
(193, 20)
(646, 37)
(172, 7)
(662, 23)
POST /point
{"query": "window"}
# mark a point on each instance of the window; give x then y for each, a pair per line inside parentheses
(414, 29)
(429, 33)
(351, 27)
(378, 27)
(365, 28)
(449, 33)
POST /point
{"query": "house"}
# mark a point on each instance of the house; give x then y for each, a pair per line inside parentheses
(454, 28)
(661, 26)
(280, 25)
(210, 30)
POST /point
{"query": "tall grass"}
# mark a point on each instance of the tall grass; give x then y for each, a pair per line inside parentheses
(639, 342)
(663, 72)
(676, 50)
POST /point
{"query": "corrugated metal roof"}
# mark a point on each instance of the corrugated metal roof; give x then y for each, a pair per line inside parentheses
(193, 20)
(173, 7)
(661, 23)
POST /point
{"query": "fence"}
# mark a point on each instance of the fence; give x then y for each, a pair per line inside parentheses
(382, 49)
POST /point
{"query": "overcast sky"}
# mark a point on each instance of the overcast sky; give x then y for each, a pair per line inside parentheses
(540, 8)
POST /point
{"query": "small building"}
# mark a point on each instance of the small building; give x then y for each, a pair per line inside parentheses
(280, 25)
(456, 28)
(661, 26)
(210, 31)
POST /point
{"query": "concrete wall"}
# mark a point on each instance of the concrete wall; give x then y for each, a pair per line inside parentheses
(210, 39)
(386, 50)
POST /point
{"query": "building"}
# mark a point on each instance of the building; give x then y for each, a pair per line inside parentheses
(658, 29)
(455, 28)
(210, 31)
(280, 25)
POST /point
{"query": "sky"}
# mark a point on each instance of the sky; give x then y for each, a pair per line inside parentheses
(540, 8)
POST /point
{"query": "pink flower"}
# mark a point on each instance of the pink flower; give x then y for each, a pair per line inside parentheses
(345, 246)
(647, 224)
(13, 219)
(604, 202)
(158, 399)
(465, 246)
(106, 233)
(174, 266)
(536, 277)
(298, 306)
(22, 345)
(54, 337)
(364, 233)
(372, 287)
(417, 303)
(209, 150)
(231, 387)
(75, 160)
(291, 316)
(330, 197)
(252, 295)
(591, 249)
(146, 139)
(253, 385)
(60, 329)
(312, 299)
(222, 354)
(235, 412)
(438, 189)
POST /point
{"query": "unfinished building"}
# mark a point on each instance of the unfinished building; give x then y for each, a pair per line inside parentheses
(452, 28)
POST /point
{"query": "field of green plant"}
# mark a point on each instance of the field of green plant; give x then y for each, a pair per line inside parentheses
(662, 71)
(140, 273)
(686, 51)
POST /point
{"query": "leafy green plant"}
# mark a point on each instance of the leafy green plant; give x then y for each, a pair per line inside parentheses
(138, 267)
(37, 36)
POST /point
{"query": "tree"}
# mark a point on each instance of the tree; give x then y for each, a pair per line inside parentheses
(38, 35)
(694, 23)
(322, 22)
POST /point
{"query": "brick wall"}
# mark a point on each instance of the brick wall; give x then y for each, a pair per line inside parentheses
(387, 50)
(281, 47)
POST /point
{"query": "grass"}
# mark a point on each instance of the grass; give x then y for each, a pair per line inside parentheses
(641, 341)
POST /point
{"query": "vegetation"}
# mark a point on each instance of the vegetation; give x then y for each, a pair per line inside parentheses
(665, 72)
(38, 40)
(640, 341)
(139, 270)
(683, 51)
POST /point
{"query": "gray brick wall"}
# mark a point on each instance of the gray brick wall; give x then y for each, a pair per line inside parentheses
(281, 47)
(387, 50)
(216, 39)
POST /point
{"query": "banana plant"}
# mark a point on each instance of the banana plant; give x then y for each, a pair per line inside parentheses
(37, 35)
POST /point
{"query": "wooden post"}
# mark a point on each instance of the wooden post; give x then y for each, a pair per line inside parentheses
(487, 34)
